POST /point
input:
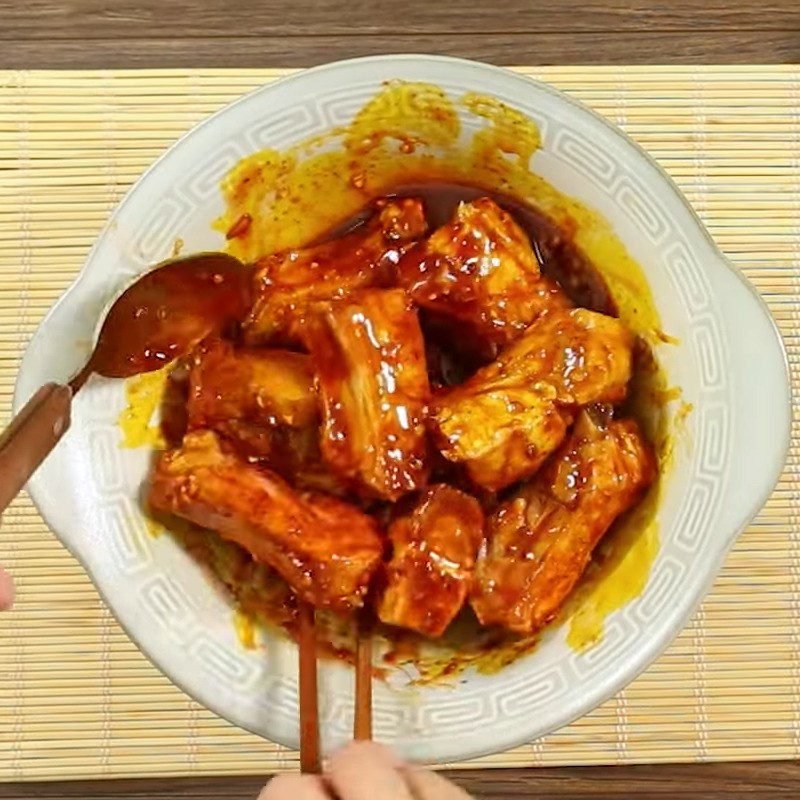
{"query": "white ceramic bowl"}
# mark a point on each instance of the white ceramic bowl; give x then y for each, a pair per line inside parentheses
(730, 365)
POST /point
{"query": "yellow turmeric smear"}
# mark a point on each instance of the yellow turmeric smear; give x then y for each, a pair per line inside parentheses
(143, 394)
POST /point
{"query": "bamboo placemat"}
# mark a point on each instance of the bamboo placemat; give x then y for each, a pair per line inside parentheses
(76, 697)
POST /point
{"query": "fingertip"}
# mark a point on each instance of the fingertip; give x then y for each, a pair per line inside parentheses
(366, 771)
(294, 787)
(425, 783)
(357, 753)
(6, 590)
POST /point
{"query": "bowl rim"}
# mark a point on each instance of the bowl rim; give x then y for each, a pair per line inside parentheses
(625, 670)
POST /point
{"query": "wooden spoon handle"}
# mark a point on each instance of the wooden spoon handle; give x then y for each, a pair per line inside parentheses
(32, 434)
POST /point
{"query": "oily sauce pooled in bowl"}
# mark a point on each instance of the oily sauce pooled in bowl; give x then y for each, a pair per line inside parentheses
(560, 259)
(422, 417)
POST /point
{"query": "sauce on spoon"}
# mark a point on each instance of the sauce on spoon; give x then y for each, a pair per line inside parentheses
(166, 312)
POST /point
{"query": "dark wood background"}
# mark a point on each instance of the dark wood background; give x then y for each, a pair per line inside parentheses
(82, 34)
(299, 33)
(770, 781)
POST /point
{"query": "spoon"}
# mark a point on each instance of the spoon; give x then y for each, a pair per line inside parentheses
(161, 316)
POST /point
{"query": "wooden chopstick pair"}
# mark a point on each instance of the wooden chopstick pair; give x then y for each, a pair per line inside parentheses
(309, 712)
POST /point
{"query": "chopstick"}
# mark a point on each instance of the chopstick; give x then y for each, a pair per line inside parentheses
(362, 719)
(309, 712)
(309, 719)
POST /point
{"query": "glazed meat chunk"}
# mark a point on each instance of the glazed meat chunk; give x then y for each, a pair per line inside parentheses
(434, 550)
(505, 420)
(287, 284)
(480, 272)
(273, 387)
(501, 433)
(541, 539)
(266, 403)
(583, 355)
(325, 549)
(369, 358)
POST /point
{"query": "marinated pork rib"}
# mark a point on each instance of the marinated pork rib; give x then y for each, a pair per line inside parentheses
(583, 355)
(326, 549)
(505, 420)
(369, 358)
(430, 573)
(265, 402)
(541, 539)
(500, 433)
(287, 284)
(272, 387)
(480, 271)
(330, 401)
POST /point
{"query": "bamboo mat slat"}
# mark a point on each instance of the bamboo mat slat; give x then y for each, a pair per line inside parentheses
(76, 697)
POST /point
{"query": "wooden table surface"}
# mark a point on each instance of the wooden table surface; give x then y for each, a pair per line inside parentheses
(298, 33)
(270, 33)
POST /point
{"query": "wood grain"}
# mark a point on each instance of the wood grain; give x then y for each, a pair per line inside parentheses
(641, 782)
(95, 33)
(89, 19)
(731, 47)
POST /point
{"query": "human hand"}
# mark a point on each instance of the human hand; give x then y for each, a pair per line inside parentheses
(6, 590)
(364, 771)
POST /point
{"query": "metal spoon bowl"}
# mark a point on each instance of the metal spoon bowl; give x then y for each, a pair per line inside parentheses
(159, 317)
